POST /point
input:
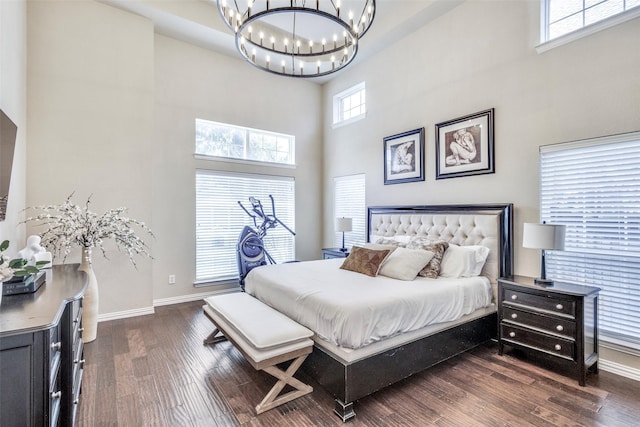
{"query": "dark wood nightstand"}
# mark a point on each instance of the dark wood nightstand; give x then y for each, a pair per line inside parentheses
(328, 253)
(558, 321)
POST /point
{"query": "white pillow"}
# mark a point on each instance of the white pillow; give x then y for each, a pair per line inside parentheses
(402, 240)
(463, 261)
(379, 247)
(405, 264)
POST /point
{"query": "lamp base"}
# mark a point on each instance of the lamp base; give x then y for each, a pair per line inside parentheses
(343, 249)
(543, 282)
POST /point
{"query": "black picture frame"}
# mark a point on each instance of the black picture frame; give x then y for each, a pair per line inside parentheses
(404, 157)
(465, 146)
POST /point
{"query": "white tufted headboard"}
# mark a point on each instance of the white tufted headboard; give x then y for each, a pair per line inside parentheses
(486, 225)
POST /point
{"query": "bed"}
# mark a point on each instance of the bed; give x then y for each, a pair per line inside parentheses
(356, 352)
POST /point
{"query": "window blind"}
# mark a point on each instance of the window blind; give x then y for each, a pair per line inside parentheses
(219, 220)
(593, 187)
(349, 202)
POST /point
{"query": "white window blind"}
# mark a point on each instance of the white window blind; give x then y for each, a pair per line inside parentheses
(593, 187)
(349, 202)
(219, 220)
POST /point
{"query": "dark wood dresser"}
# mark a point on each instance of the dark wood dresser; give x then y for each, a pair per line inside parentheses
(41, 351)
(559, 322)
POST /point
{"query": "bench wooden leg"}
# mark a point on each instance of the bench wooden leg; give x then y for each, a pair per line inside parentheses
(284, 378)
(214, 337)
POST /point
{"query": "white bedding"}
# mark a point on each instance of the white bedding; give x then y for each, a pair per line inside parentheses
(353, 310)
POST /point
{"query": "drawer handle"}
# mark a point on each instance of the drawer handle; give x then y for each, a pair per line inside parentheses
(559, 306)
(56, 346)
(514, 316)
(80, 361)
(512, 334)
(514, 297)
(56, 395)
(558, 347)
(559, 328)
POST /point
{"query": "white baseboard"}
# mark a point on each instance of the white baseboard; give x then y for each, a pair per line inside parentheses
(163, 301)
(124, 314)
(192, 297)
(619, 369)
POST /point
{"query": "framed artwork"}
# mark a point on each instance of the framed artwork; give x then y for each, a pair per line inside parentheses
(464, 146)
(404, 157)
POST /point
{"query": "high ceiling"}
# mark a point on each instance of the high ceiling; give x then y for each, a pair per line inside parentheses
(198, 22)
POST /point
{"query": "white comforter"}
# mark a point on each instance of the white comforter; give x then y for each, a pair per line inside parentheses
(352, 310)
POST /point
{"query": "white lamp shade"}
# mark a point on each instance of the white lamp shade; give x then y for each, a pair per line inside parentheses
(543, 236)
(344, 224)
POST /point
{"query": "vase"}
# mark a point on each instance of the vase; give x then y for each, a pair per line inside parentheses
(90, 301)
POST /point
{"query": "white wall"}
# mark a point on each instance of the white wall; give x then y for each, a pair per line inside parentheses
(13, 101)
(112, 110)
(481, 55)
(195, 83)
(90, 120)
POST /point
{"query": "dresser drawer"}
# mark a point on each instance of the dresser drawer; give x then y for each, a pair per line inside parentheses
(551, 324)
(55, 343)
(55, 401)
(540, 302)
(538, 341)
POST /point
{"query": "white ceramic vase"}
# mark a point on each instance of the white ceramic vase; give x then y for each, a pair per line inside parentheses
(91, 299)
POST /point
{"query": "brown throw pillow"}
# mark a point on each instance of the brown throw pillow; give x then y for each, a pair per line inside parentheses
(365, 261)
(431, 270)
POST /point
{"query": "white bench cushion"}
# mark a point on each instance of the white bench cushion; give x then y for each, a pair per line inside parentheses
(261, 326)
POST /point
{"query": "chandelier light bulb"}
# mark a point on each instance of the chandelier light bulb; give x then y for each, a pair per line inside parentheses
(247, 18)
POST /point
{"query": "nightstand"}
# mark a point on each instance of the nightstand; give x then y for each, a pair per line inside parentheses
(328, 253)
(559, 322)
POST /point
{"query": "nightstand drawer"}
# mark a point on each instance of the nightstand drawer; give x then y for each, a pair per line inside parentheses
(540, 302)
(329, 253)
(555, 325)
(538, 341)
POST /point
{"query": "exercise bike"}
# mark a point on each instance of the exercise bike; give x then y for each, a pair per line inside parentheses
(251, 252)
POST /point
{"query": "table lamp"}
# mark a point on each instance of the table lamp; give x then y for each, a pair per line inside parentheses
(343, 225)
(546, 237)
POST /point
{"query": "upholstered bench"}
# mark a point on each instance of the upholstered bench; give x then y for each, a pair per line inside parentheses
(265, 337)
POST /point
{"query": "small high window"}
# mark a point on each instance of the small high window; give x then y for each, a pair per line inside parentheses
(566, 20)
(349, 105)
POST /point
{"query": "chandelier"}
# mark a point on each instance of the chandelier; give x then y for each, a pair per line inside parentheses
(298, 38)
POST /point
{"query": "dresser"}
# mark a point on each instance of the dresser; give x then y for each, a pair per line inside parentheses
(41, 351)
(328, 253)
(558, 322)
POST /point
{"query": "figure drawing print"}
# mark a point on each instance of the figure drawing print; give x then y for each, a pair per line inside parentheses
(463, 146)
(403, 157)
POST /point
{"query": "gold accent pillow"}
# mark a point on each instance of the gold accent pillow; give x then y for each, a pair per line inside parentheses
(431, 270)
(365, 261)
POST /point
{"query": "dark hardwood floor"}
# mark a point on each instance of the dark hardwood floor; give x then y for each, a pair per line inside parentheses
(154, 371)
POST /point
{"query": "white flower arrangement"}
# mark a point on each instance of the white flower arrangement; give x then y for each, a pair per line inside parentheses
(15, 267)
(68, 225)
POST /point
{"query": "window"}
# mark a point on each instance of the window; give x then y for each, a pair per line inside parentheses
(241, 143)
(349, 106)
(349, 202)
(593, 187)
(563, 17)
(219, 220)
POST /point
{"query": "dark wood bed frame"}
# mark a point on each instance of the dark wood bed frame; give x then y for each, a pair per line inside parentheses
(348, 382)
